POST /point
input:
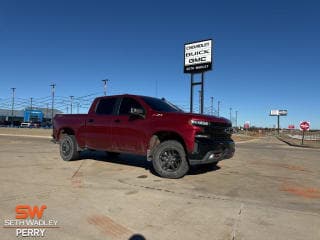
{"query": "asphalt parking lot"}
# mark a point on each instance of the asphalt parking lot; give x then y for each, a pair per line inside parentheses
(269, 190)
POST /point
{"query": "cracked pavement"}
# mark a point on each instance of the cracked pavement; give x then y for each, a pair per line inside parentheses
(267, 191)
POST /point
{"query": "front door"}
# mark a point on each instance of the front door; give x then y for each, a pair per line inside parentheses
(129, 131)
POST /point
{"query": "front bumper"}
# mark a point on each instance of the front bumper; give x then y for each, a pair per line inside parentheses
(211, 151)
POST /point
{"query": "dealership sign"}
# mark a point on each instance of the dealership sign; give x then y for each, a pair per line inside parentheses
(198, 56)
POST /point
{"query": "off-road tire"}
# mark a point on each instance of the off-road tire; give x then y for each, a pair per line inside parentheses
(169, 159)
(69, 148)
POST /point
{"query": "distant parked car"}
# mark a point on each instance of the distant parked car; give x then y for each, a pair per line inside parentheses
(25, 125)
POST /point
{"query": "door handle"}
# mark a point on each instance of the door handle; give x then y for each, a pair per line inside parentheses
(117, 121)
(90, 120)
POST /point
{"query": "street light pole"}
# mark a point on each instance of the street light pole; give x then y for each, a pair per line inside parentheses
(237, 118)
(200, 101)
(71, 98)
(52, 103)
(12, 105)
(219, 108)
(47, 112)
(211, 105)
(105, 86)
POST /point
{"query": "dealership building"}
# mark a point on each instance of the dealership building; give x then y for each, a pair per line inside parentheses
(39, 115)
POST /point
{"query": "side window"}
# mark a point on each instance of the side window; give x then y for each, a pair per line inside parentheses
(106, 106)
(127, 104)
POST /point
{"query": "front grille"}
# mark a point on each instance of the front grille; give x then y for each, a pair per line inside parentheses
(219, 131)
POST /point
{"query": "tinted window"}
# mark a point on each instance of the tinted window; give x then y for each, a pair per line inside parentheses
(127, 104)
(161, 105)
(106, 106)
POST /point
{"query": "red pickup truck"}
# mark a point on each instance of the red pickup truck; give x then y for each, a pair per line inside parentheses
(170, 138)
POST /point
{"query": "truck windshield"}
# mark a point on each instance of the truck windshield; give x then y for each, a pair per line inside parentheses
(161, 105)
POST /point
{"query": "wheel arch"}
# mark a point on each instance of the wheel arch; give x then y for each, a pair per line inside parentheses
(65, 130)
(161, 136)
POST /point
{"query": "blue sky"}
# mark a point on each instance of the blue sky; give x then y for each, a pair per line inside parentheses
(266, 53)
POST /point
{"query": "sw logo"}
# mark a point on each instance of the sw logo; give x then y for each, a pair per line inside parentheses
(29, 222)
(25, 211)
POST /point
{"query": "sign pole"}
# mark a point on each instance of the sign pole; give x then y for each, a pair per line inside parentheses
(302, 137)
(278, 124)
(202, 90)
(191, 93)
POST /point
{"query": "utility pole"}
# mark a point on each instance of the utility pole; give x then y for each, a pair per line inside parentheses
(52, 103)
(236, 118)
(105, 86)
(71, 102)
(31, 103)
(219, 108)
(211, 105)
(12, 105)
(47, 111)
(78, 106)
(230, 109)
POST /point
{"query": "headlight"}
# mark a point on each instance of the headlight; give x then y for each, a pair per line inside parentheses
(199, 123)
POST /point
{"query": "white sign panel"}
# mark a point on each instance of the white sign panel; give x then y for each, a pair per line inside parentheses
(283, 112)
(274, 112)
(198, 56)
(278, 112)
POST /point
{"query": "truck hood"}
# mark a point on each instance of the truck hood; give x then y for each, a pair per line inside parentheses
(194, 116)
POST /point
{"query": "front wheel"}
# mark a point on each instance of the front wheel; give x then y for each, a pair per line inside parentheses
(68, 148)
(169, 160)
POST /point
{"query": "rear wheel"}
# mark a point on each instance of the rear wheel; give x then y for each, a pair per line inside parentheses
(169, 160)
(68, 148)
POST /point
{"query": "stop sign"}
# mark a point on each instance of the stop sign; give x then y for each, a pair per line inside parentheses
(304, 126)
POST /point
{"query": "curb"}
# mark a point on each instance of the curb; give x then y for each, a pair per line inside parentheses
(20, 135)
(296, 145)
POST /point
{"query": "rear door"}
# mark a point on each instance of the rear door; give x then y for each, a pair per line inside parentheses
(129, 132)
(99, 134)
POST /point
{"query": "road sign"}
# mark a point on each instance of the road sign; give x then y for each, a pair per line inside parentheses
(291, 126)
(304, 126)
(246, 125)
